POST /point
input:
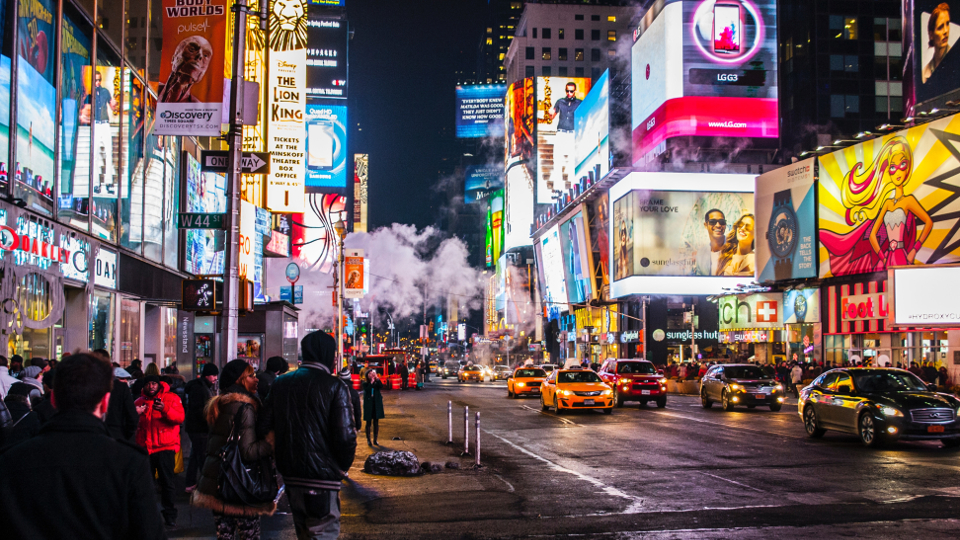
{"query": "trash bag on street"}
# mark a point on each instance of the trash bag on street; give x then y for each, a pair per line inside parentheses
(400, 463)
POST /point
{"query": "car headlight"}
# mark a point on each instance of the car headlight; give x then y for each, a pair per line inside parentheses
(608, 392)
(889, 411)
(735, 387)
(778, 387)
(521, 385)
(566, 393)
(663, 381)
(625, 382)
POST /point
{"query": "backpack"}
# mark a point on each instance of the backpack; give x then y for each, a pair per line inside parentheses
(241, 483)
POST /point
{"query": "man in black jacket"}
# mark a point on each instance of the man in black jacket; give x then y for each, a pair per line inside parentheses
(310, 413)
(345, 376)
(276, 366)
(100, 486)
(122, 418)
(198, 392)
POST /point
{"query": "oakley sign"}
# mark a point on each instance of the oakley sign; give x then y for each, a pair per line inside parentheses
(11, 240)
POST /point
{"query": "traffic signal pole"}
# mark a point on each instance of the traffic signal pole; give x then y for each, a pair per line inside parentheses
(231, 277)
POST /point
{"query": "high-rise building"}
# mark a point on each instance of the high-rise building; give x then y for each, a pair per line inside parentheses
(502, 19)
(841, 70)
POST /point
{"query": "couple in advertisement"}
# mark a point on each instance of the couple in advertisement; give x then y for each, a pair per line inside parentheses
(727, 254)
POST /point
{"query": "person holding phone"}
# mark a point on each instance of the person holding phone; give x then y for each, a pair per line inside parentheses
(161, 413)
(372, 404)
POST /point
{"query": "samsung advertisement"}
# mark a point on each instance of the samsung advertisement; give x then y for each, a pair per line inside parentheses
(669, 227)
(706, 68)
(326, 127)
(480, 110)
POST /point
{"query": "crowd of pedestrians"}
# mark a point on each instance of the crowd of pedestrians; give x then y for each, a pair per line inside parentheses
(105, 440)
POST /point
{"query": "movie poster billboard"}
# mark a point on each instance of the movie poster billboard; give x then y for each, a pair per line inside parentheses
(326, 133)
(786, 222)
(558, 99)
(192, 61)
(576, 260)
(890, 201)
(936, 62)
(480, 110)
(286, 102)
(520, 132)
(592, 131)
(680, 224)
(480, 181)
(551, 270)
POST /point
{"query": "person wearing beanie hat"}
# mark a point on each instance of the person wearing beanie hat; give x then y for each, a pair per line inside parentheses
(122, 418)
(310, 412)
(161, 413)
(198, 393)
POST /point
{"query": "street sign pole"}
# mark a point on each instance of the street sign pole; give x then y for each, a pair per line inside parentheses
(231, 282)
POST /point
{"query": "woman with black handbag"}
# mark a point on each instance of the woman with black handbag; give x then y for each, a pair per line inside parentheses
(236, 460)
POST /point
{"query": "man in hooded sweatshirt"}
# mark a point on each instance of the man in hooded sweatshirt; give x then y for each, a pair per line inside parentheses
(310, 413)
(161, 413)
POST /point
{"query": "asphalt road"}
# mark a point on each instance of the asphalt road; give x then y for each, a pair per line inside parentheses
(642, 472)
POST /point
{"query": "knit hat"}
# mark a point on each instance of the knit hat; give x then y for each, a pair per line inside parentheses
(346, 374)
(209, 369)
(231, 373)
(31, 371)
(121, 373)
(150, 379)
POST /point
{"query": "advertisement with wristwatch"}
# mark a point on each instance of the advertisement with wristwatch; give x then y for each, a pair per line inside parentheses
(786, 223)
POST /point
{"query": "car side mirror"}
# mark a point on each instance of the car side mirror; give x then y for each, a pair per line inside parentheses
(845, 389)
(932, 387)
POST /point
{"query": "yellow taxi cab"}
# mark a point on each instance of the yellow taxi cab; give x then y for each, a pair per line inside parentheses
(524, 381)
(567, 389)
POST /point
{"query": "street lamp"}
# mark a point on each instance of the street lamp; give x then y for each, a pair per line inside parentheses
(341, 229)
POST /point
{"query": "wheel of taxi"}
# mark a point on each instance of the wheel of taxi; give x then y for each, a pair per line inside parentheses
(867, 429)
(706, 403)
(812, 424)
(617, 399)
(661, 402)
(556, 405)
(543, 405)
(725, 401)
(510, 393)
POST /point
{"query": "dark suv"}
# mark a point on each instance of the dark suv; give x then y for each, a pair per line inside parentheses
(879, 405)
(740, 384)
(634, 380)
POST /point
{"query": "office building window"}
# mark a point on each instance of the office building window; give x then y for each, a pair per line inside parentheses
(530, 53)
(546, 71)
(842, 27)
(534, 33)
(578, 17)
(611, 35)
(611, 53)
(595, 73)
(562, 53)
(546, 53)
(489, 41)
(594, 17)
(559, 33)
(578, 34)
(595, 35)
(562, 71)
(578, 55)
(578, 72)
(594, 55)
(545, 33)
(528, 72)
(840, 106)
(848, 63)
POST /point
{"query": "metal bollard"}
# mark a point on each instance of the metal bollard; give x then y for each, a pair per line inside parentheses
(477, 423)
(466, 429)
(449, 422)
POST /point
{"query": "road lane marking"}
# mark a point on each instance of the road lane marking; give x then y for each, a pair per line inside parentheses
(560, 418)
(721, 424)
(635, 502)
(732, 482)
(510, 488)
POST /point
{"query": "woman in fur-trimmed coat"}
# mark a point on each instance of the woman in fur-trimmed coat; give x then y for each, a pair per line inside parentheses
(238, 381)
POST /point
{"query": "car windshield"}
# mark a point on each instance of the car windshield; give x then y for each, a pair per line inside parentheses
(642, 368)
(452, 365)
(472, 368)
(743, 372)
(578, 377)
(887, 381)
(548, 368)
(530, 373)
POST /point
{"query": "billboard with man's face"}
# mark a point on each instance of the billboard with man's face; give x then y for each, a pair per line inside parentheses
(936, 63)
(558, 99)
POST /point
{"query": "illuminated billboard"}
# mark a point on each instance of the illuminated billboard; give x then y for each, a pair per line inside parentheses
(890, 201)
(936, 63)
(576, 260)
(520, 132)
(326, 134)
(327, 58)
(312, 238)
(704, 68)
(361, 176)
(668, 227)
(786, 223)
(480, 110)
(286, 102)
(558, 99)
(205, 193)
(592, 131)
(480, 181)
(550, 268)
(495, 231)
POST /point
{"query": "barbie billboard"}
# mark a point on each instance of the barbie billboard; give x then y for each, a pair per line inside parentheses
(891, 201)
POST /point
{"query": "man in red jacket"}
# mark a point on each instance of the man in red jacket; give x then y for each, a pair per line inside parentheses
(161, 414)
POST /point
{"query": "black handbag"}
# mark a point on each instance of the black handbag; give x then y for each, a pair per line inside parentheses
(250, 484)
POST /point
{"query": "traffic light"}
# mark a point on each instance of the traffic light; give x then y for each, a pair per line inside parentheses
(245, 296)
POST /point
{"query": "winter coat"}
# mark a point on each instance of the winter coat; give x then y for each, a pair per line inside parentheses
(372, 400)
(199, 392)
(100, 487)
(122, 418)
(220, 413)
(160, 430)
(24, 422)
(355, 405)
(266, 379)
(796, 374)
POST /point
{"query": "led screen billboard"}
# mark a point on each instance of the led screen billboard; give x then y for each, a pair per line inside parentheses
(667, 227)
(205, 193)
(480, 110)
(891, 201)
(550, 265)
(936, 62)
(326, 134)
(704, 68)
(480, 181)
(576, 260)
(327, 41)
(786, 223)
(520, 132)
(558, 99)
(495, 230)
(592, 131)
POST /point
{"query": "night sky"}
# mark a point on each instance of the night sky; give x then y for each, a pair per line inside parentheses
(403, 62)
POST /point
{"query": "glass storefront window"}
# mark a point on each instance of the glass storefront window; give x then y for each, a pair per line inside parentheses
(101, 321)
(5, 108)
(35, 301)
(36, 104)
(110, 14)
(153, 188)
(171, 202)
(135, 40)
(75, 123)
(132, 141)
(169, 336)
(106, 116)
(129, 331)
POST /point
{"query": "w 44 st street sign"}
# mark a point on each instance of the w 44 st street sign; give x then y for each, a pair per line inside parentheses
(200, 221)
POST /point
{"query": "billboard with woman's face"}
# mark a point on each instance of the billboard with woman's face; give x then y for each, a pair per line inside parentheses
(936, 64)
